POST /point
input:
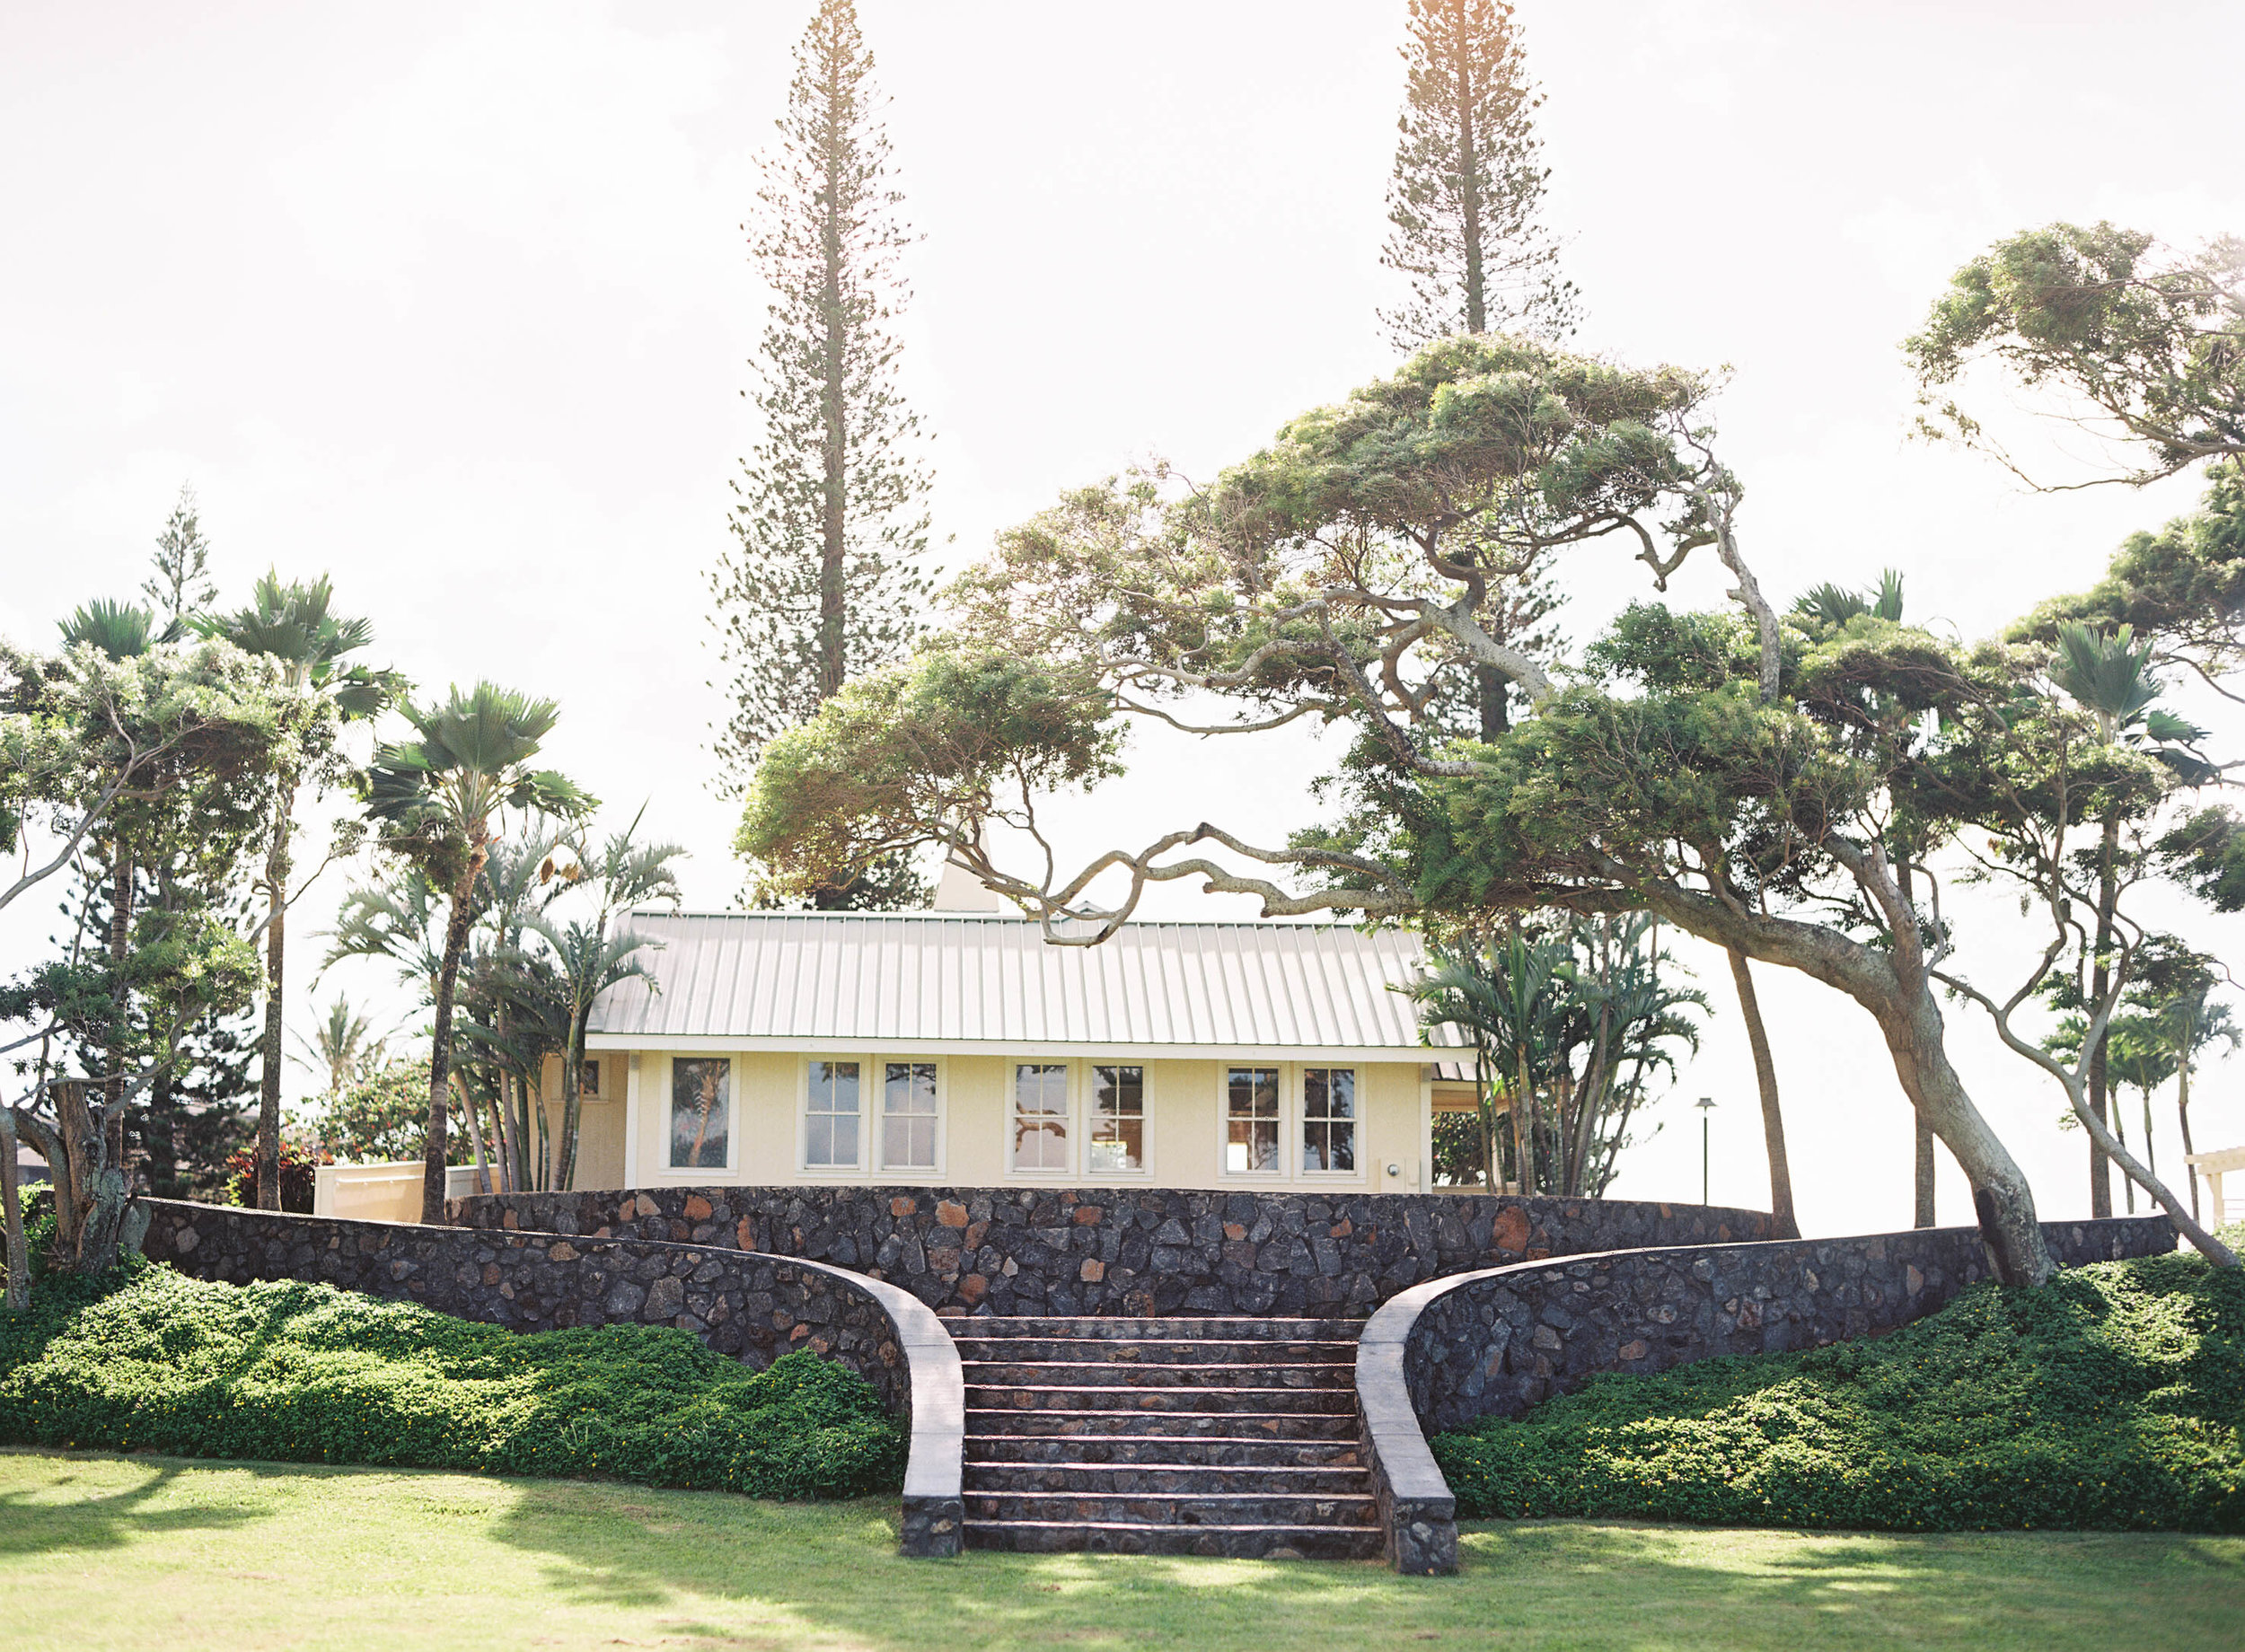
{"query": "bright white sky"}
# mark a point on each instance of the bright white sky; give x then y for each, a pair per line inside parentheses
(449, 300)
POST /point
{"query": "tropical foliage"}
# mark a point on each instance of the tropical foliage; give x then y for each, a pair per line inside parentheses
(2111, 1397)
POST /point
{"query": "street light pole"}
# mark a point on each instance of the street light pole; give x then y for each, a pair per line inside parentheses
(1707, 1105)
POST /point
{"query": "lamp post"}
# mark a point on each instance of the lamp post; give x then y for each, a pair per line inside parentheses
(1707, 1105)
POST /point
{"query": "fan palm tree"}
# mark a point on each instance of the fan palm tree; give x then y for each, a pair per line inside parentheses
(294, 624)
(439, 798)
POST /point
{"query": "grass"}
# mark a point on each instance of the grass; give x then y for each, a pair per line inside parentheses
(2112, 1398)
(106, 1551)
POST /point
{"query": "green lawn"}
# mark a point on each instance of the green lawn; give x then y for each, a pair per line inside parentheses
(104, 1550)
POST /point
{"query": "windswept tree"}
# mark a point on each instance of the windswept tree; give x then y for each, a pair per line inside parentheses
(1729, 773)
(296, 626)
(2137, 342)
(1465, 199)
(436, 800)
(823, 582)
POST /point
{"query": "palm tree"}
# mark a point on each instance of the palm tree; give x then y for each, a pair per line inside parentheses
(625, 872)
(2109, 675)
(345, 1045)
(440, 797)
(1457, 992)
(295, 625)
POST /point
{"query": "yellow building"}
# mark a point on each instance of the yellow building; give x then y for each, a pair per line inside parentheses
(962, 1048)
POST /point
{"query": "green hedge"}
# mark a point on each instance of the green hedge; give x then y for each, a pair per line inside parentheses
(2111, 1398)
(151, 1360)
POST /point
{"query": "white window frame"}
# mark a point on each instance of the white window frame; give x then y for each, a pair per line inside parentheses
(1223, 1122)
(878, 1114)
(839, 1173)
(1299, 1088)
(1145, 1171)
(668, 1095)
(1072, 1079)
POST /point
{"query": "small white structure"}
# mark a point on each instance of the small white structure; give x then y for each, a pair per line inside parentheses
(2211, 1166)
(383, 1193)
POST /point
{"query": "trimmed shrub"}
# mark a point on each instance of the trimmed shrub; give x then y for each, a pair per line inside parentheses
(2111, 1398)
(151, 1360)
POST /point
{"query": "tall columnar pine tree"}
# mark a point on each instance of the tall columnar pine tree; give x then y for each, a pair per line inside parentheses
(823, 582)
(1468, 184)
(296, 625)
(181, 583)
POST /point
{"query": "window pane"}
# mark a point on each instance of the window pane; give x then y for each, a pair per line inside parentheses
(1040, 1125)
(908, 1108)
(701, 1089)
(1123, 1148)
(909, 1087)
(1118, 1115)
(830, 1132)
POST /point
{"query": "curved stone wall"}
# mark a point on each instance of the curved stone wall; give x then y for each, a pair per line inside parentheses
(1134, 1251)
(753, 1306)
(1494, 1342)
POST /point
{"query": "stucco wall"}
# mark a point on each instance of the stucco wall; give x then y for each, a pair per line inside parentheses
(1107, 1251)
(1184, 1126)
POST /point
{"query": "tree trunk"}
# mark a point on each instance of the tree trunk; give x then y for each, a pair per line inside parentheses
(19, 1298)
(120, 949)
(572, 1085)
(833, 661)
(2100, 983)
(1780, 1177)
(1922, 1182)
(1524, 1129)
(270, 1054)
(2182, 1117)
(102, 1213)
(440, 1038)
(1469, 173)
(475, 1134)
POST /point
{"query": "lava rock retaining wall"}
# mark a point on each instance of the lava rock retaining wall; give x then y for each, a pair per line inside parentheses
(753, 1306)
(1135, 1252)
(1496, 1345)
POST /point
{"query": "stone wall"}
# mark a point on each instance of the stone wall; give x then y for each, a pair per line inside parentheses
(754, 1308)
(1495, 1345)
(1136, 1252)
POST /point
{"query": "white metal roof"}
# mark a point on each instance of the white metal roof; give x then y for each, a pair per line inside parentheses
(946, 980)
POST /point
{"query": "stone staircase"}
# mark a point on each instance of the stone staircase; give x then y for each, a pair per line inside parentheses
(1219, 1436)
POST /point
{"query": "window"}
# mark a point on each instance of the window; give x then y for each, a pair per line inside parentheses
(1251, 1120)
(1329, 1118)
(700, 1112)
(1118, 1120)
(1040, 1116)
(907, 1116)
(829, 1126)
(588, 1079)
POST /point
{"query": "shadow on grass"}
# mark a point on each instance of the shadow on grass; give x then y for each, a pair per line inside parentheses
(61, 1515)
(833, 1568)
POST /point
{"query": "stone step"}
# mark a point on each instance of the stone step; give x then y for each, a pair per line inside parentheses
(988, 1422)
(1245, 1541)
(1218, 1450)
(1162, 1329)
(1154, 1350)
(1118, 1373)
(1136, 1479)
(1323, 1401)
(1172, 1508)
